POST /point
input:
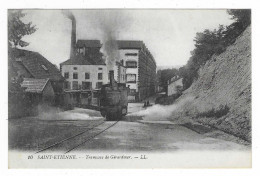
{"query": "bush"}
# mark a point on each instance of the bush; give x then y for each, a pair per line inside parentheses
(217, 113)
(165, 100)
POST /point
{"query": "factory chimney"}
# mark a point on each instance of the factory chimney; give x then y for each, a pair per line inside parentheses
(70, 15)
(73, 38)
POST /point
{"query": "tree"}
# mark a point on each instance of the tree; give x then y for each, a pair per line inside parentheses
(208, 43)
(165, 74)
(17, 29)
(242, 16)
(242, 19)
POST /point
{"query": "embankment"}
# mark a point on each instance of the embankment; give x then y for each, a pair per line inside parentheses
(221, 96)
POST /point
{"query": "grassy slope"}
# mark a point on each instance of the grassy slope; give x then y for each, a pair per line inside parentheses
(225, 80)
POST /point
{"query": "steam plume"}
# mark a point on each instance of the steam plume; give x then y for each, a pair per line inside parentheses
(110, 24)
(160, 112)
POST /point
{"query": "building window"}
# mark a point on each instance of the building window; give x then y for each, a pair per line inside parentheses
(131, 78)
(75, 75)
(81, 50)
(86, 85)
(99, 85)
(122, 62)
(87, 75)
(44, 67)
(84, 95)
(131, 54)
(95, 94)
(75, 68)
(100, 68)
(131, 64)
(132, 90)
(66, 85)
(66, 75)
(100, 76)
(75, 85)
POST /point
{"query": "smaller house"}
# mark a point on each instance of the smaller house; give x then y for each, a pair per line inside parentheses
(30, 64)
(40, 80)
(174, 85)
(40, 90)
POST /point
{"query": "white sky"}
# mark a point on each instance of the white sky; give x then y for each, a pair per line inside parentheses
(168, 34)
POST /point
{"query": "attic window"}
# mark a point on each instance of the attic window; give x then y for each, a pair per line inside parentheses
(44, 67)
(131, 54)
(18, 59)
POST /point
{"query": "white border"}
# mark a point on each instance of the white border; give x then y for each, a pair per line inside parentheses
(9, 4)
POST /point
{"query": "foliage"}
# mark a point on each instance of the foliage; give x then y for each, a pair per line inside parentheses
(208, 43)
(217, 113)
(167, 100)
(17, 28)
(165, 74)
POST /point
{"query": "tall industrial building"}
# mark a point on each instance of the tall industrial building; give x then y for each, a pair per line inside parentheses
(140, 69)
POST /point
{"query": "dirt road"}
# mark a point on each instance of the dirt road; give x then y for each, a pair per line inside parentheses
(130, 134)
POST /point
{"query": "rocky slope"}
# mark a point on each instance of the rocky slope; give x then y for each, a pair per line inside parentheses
(221, 97)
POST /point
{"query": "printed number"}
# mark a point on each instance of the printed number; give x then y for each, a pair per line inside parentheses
(30, 157)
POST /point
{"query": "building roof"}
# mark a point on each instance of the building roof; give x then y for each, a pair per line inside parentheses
(129, 44)
(97, 60)
(89, 43)
(37, 65)
(122, 44)
(174, 79)
(33, 85)
(85, 60)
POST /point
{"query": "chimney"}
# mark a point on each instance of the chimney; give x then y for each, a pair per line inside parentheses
(73, 38)
(70, 16)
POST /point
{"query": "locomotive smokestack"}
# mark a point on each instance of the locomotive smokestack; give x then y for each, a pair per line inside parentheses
(70, 15)
(111, 77)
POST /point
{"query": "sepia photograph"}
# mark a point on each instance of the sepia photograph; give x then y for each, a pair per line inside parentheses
(129, 88)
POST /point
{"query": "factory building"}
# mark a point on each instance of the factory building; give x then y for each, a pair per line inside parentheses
(140, 69)
(86, 72)
(135, 66)
(86, 68)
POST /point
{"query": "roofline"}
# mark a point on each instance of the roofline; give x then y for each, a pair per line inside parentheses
(173, 81)
(45, 84)
(90, 40)
(58, 71)
(61, 64)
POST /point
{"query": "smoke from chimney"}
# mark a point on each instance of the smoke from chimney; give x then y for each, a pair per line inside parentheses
(70, 16)
(110, 23)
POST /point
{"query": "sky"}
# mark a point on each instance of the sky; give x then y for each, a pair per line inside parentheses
(168, 34)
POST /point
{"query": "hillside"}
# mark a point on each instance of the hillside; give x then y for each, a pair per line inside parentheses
(221, 97)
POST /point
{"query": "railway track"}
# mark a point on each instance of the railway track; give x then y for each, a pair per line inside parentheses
(71, 143)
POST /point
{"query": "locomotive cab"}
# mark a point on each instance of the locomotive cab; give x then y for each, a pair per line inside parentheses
(113, 99)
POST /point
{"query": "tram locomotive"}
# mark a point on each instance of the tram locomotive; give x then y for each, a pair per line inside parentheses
(113, 99)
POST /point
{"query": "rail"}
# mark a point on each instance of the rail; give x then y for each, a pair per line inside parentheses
(76, 135)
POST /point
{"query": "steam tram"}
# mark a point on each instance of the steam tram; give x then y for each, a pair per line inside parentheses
(113, 99)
